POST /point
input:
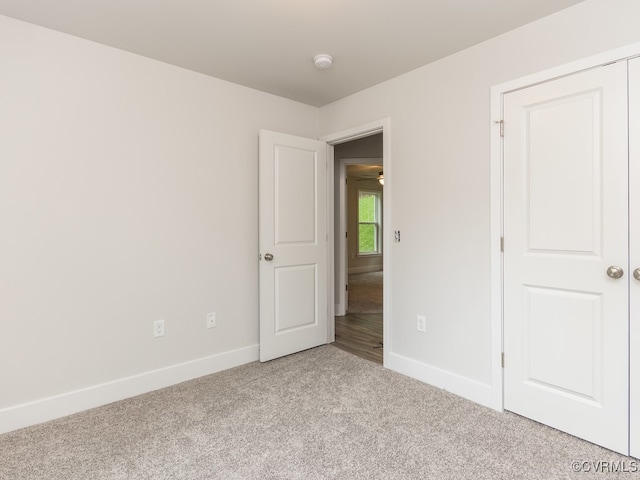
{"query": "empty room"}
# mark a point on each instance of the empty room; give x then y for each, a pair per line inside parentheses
(175, 252)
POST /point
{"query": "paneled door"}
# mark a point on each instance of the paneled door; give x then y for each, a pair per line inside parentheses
(566, 255)
(293, 244)
(634, 241)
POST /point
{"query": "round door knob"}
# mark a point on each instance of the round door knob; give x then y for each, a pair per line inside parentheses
(636, 274)
(615, 272)
(268, 257)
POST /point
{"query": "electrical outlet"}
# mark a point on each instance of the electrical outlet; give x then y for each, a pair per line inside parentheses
(421, 324)
(158, 328)
(211, 320)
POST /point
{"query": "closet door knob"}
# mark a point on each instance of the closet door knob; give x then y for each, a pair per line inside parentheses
(636, 274)
(615, 272)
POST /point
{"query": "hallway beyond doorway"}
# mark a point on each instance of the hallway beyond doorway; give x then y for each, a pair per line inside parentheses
(365, 292)
(360, 334)
(360, 331)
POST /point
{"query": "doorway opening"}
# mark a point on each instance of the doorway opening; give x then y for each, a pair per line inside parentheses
(359, 257)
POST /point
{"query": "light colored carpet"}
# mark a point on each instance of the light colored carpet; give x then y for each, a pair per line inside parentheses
(365, 293)
(320, 414)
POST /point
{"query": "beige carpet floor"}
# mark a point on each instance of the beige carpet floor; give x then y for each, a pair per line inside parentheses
(319, 414)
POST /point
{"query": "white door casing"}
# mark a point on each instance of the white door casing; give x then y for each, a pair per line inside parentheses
(293, 230)
(634, 263)
(565, 222)
(382, 126)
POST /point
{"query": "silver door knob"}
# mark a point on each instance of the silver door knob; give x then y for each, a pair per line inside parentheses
(268, 257)
(636, 274)
(615, 272)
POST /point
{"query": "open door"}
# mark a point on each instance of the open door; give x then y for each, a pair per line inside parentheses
(293, 244)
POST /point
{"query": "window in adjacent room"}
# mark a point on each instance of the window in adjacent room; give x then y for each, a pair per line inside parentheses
(369, 222)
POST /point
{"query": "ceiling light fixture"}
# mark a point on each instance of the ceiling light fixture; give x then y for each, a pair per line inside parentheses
(381, 178)
(323, 61)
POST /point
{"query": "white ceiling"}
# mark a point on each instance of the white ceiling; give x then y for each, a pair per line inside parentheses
(269, 44)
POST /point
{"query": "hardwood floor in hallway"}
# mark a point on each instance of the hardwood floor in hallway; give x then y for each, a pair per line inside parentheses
(361, 334)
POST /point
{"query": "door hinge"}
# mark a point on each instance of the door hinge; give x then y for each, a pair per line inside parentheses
(346, 287)
(346, 234)
(502, 244)
(501, 123)
(502, 359)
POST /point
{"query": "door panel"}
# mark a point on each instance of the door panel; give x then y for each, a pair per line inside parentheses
(552, 316)
(293, 230)
(634, 239)
(295, 188)
(560, 219)
(295, 288)
(565, 223)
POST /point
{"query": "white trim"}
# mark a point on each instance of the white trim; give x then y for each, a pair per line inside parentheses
(354, 133)
(32, 413)
(340, 259)
(332, 307)
(465, 387)
(623, 53)
(496, 180)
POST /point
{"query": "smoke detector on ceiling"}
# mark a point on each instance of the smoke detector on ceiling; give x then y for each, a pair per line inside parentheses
(323, 61)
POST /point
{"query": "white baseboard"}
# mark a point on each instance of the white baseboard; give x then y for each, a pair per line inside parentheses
(43, 410)
(465, 387)
(371, 268)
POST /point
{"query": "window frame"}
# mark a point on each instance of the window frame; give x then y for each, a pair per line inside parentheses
(377, 223)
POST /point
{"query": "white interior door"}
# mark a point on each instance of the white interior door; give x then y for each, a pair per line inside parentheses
(293, 244)
(565, 223)
(634, 241)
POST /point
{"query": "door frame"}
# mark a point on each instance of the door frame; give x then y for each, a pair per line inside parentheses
(497, 198)
(360, 131)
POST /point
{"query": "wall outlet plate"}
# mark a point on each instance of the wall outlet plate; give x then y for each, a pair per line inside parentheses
(421, 323)
(211, 320)
(158, 328)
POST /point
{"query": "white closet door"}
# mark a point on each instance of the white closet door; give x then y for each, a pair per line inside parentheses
(634, 241)
(565, 223)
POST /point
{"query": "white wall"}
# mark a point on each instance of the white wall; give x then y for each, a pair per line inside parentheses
(128, 193)
(440, 155)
